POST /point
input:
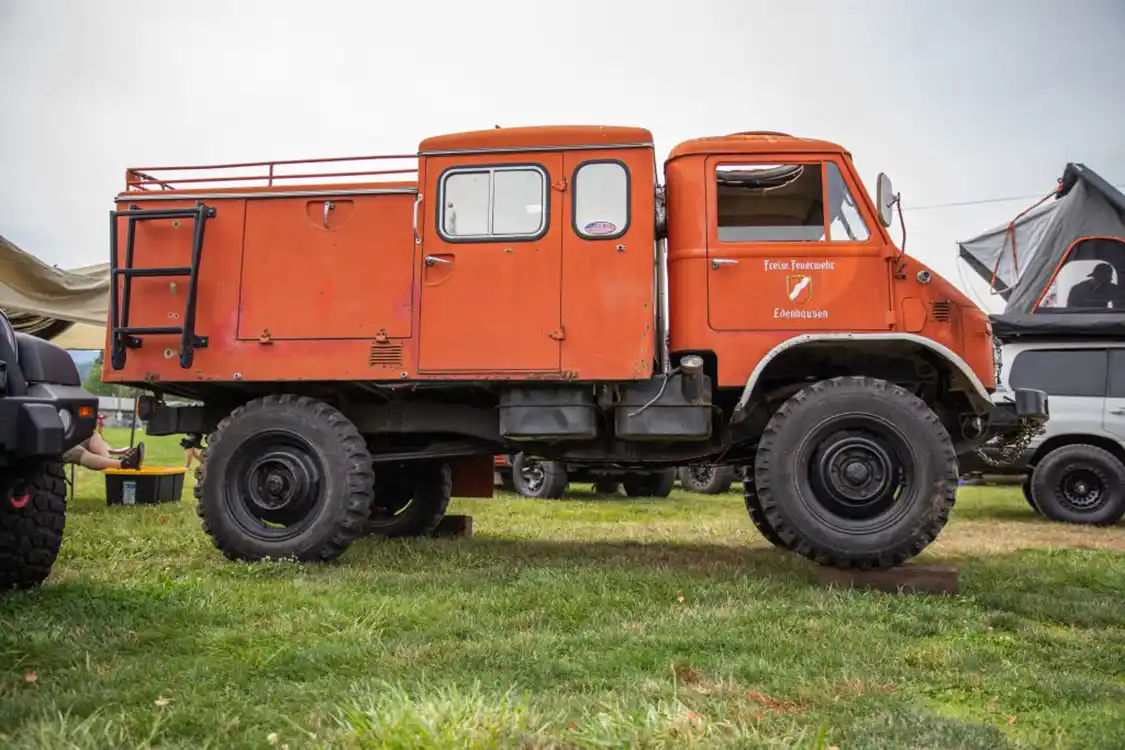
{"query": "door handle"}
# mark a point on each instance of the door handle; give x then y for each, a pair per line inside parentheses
(1119, 410)
(431, 259)
(716, 262)
(328, 206)
(417, 237)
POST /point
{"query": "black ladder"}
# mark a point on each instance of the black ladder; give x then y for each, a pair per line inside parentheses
(123, 336)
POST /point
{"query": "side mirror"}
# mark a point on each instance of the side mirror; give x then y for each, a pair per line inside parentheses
(885, 199)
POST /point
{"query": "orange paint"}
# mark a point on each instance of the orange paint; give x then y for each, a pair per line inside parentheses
(373, 288)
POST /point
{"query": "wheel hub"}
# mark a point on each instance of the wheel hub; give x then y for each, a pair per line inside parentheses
(275, 481)
(533, 475)
(1082, 490)
(855, 474)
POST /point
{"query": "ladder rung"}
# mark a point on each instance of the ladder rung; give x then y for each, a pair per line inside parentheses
(159, 213)
(167, 271)
(149, 330)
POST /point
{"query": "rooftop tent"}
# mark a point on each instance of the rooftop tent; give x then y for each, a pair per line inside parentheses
(54, 304)
(1065, 270)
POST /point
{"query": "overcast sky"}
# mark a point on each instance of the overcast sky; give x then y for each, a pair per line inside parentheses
(957, 101)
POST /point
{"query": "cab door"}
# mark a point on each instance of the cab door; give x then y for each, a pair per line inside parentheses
(791, 247)
(491, 264)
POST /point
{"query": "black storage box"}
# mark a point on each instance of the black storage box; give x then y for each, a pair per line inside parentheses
(145, 486)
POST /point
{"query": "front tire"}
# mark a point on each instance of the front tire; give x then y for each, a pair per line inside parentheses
(32, 521)
(856, 472)
(284, 477)
(1080, 484)
(706, 479)
(757, 515)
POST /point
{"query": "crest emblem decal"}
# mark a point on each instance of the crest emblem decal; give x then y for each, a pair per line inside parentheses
(799, 288)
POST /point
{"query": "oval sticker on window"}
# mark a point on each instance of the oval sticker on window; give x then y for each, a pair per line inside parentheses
(599, 227)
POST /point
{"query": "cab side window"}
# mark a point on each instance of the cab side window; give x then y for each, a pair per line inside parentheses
(493, 203)
(601, 200)
(786, 203)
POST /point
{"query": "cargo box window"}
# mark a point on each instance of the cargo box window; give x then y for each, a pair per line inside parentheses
(493, 203)
(770, 203)
(601, 200)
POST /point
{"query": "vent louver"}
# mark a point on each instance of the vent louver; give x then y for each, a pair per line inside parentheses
(940, 311)
(385, 355)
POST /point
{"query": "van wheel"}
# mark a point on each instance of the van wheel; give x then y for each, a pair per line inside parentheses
(535, 478)
(656, 484)
(1025, 488)
(706, 479)
(284, 477)
(410, 500)
(757, 517)
(1080, 484)
(32, 520)
(856, 472)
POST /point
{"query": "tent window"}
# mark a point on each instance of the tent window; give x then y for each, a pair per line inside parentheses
(770, 203)
(1091, 278)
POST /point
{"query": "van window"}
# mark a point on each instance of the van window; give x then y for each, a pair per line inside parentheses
(601, 200)
(493, 203)
(770, 203)
(1117, 373)
(1061, 372)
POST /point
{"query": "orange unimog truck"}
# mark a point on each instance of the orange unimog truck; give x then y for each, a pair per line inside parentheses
(362, 336)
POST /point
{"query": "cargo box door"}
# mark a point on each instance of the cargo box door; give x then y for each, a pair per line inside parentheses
(328, 266)
(491, 265)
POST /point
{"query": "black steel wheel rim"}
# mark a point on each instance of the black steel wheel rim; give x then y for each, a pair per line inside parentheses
(857, 473)
(393, 500)
(275, 485)
(1082, 489)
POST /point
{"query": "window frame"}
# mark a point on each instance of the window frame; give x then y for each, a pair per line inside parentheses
(628, 201)
(491, 169)
(874, 245)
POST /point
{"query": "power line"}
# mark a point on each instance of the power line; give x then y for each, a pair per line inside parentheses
(981, 201)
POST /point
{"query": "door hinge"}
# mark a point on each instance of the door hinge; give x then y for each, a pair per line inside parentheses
(560, 185)
(891, 318)
(558, 334)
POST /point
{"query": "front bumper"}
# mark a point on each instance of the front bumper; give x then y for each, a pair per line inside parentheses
(32, 426)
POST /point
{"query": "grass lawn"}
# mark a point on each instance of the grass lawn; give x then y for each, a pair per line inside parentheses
(581, 623)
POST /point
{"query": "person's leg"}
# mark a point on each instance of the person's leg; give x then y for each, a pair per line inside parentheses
(98, 446)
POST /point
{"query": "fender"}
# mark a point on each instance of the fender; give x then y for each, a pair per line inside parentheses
(979, 395)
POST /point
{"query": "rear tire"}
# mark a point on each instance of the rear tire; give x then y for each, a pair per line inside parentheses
(411, 501)
(706, 479)
(856, 472)
(1080, 484)
(655, 484)
(541, 479)
(284, 477)
(757, 516)
(32, 521)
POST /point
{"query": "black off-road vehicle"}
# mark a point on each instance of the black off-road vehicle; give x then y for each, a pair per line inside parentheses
(44, 411)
